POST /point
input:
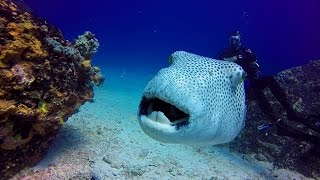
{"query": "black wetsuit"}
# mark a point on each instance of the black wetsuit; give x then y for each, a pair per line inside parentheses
(245, 58)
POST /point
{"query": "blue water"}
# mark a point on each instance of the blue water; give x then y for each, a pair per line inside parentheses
(136, 39)
(142, 34)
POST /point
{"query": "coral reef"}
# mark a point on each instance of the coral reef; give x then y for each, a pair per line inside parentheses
(87, 44)
(294, 142)
(44, 79)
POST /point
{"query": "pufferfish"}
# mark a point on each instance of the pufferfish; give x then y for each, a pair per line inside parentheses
(196, 100)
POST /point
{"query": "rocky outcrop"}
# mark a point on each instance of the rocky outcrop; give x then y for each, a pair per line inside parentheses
(43, 80)
(292, 98)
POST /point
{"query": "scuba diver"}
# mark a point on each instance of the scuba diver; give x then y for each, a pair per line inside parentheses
(242, 56)
(248, 61)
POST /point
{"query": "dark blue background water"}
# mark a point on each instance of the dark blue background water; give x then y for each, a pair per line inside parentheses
(143, 33)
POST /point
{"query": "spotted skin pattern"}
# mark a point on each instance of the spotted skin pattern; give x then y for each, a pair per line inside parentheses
(209, 90)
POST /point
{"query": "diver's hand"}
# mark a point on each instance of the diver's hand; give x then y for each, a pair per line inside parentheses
(232, 59)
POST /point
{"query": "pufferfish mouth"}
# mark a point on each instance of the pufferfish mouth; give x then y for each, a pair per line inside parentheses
(162, 112)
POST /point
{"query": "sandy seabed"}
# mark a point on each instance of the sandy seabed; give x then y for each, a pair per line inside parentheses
(106, 135)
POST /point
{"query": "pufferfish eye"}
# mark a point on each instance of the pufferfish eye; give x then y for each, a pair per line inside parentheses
(170, 59)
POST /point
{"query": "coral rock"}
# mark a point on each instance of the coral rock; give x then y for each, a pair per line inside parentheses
(43, 81)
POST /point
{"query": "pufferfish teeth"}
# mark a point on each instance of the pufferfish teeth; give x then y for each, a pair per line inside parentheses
(159, 117)
(153, 116)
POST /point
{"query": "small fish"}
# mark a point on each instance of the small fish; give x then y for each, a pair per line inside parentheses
(264, 126)
(267, 126)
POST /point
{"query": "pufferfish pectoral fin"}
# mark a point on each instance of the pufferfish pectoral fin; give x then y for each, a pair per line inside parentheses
(237, 77)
